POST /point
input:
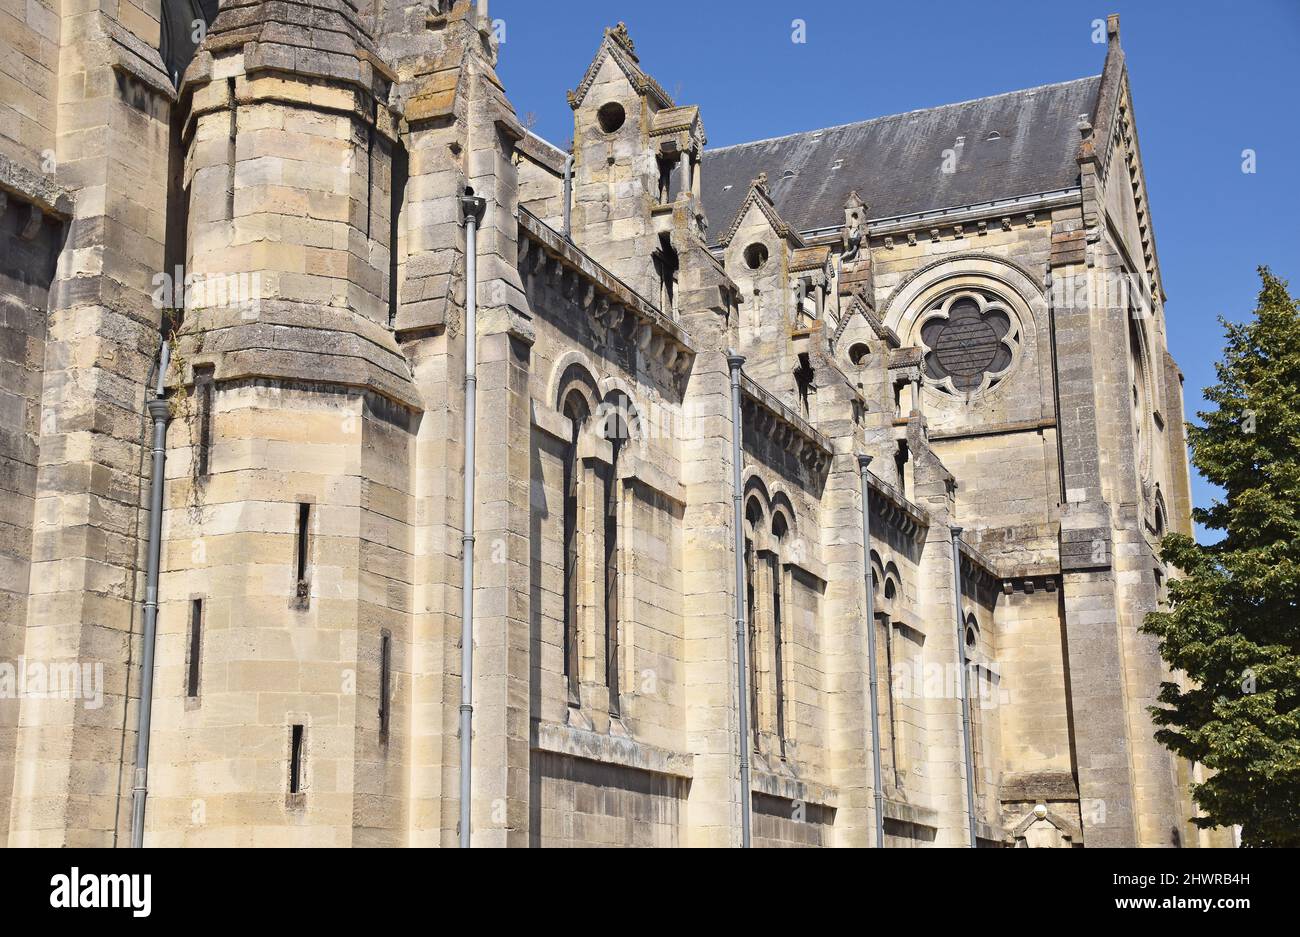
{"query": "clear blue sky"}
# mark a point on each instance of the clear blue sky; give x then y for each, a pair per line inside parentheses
(1209, 81)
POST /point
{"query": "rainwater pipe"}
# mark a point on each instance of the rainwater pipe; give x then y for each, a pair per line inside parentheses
(473, 208)
(965, 681)
(159, 411)
(864, 461)
(735, 362)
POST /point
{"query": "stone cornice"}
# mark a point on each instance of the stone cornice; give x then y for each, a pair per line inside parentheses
(130, 55)
(975, 565)
(890, 506)
(787, 429)
(946, 219)
(607, 299)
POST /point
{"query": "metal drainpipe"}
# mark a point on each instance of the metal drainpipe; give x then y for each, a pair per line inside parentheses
(965, 686)
(735, 362)
(568, 197)
(473, 208)
(863, 462)
(160, 412)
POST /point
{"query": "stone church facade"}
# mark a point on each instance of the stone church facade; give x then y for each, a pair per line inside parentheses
(967, 300)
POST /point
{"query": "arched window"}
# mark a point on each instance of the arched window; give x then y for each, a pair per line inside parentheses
(780, 531)
(886, 616)
(614, 429)
(576, 411)
(1161, 518)
(972, 642)
(753, 523)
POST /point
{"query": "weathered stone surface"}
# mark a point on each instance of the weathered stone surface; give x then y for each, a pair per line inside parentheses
(308, 183)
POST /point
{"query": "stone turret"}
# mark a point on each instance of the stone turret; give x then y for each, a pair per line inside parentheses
(286, 578)
(635, 154)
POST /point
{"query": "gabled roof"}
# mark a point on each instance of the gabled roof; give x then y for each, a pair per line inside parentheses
(897, 162)
(617, 44)
(760, 194)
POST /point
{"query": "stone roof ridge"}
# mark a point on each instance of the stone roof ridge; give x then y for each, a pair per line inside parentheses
(920, 110)
(538, 142)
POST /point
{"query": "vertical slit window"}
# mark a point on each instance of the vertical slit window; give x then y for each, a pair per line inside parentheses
(302, 558)
(397, 198)
(231, 152)
(385, 684)
(370, 174)
(195, 649)
(203, 388)
(296, 739)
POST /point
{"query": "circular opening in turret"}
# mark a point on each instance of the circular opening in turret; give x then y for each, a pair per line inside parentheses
(611, 116)
(859, 353)
(755, 256)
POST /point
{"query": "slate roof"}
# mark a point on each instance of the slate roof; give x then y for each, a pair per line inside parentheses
(895, 162)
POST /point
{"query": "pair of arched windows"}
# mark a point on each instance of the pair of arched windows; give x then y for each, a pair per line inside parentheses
(611, 421)
(766, 545)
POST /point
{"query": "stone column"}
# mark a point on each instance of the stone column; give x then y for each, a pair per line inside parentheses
(501, 561)
(708, 563)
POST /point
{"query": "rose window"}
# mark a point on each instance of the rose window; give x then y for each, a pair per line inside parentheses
(969, 340)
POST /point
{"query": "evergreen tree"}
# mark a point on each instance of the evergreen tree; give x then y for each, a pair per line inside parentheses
(1233, 627)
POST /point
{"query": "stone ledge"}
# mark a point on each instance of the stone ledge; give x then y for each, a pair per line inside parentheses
(36, 188)
(910, 813)
(997, 429)
(793, 789)
(1038, 787)
(651, 476)
(612, 750)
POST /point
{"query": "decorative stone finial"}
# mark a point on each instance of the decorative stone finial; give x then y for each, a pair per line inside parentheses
(619, 34)
(761, 184)
(1112, 28)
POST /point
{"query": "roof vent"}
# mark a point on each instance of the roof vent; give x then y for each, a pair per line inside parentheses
(838, 164)
(788, 174)
(994, 135)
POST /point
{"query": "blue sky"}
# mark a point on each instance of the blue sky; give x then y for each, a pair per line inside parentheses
(1209, 81)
